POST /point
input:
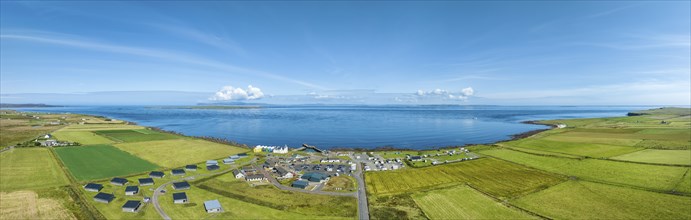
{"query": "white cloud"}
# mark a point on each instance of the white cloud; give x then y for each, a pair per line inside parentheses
(232, 93)
(444, 94)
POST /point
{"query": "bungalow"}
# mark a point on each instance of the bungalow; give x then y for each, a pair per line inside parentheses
(104, 197)
(181, 185)
(118, 181)
(300, 184)
(177, 172)
(131, 190)
(314, 177)
(179, 198)
(211, 162)
(249, 169)
(234, 157)
(156, 174)
(228, 161)
(415, 158)
(93, 187)
(212, 206)
(330, 160)
(191, 167)
(255, 177)
(212, 167)
(242, 155)
(283, 173)
(131, 206)
(146, 181)
(238, 174)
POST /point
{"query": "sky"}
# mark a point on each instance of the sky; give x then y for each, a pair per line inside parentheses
(374, 52)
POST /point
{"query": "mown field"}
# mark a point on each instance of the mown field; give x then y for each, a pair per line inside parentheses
(490, 175)
(587, 200)
(179, 152)
(463, 202)
(101, 161)
(29, 168)
(135, 135)
(82, 137)
(681, 157)
(662, 178)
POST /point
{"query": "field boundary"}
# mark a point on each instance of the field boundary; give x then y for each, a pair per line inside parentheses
(509, 205)
(594, 158)
(74, 189)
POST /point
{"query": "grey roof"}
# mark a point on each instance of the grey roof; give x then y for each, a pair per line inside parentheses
(95, 186)
(300, 184)
(191, 167)
(181, 185)
(236, 172)
(180, 195)
(212, 167)
(177, 171)
(146, 180)
(119, 180)
(132, 204)
(156, 174)
(212, 204)
(104, 196)
(132, 189)
(281, 171)
(256, 176)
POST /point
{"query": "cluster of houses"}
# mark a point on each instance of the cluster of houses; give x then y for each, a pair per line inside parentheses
(249, 173)
(383, 164)
(271, 149)
(129, 206)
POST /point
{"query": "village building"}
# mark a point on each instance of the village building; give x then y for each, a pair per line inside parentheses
(179, 198)
(212, 206)
(255, 177)
(104, 197)
(212, 167)
(177, 172)
(211, 162)
(248, 169)
(300, 184)
(181, 185)
(118, 181)
(242, 154)
(330, 160)
(283, 173)
(234, 157)
(191, 167)
(146, 181)
(415, 158)
(228, 161)
(271, 149)
(131, 190)
(93, 187)
(156, 174)
(238, 174)
(131, 206)
(315, 177)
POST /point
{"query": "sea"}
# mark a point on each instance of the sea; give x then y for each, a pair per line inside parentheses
(350, 126)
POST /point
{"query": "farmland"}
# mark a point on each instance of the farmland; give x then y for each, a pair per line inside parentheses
(82, 137)
(462, 202)
(586, 200)
(101, 161)
(135, 135)
(29, 168)
(179, 152)
(28, 205)
(681, 157)
(19, 127)
(493, 176)
(662, 178)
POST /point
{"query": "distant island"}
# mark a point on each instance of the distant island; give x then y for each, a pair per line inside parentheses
(208, 107)
(27, 105)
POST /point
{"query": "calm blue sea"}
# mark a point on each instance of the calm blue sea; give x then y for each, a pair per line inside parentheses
(416, 127)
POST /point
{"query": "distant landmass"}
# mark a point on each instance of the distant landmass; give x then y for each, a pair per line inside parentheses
(28, 105)
(208, 107)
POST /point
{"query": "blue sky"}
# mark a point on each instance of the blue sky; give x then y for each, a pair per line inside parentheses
(580, 53)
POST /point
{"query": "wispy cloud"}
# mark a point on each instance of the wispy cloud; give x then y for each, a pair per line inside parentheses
(155, 53)
(610, 11)
(202, 37)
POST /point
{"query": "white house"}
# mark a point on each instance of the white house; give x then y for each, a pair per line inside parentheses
(212, 206)
(238, 174)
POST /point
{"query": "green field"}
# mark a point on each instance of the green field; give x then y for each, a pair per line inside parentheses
(179, 152)
(82, 137)
(581, 149)
(29, 168)
(586, 200)
(135, 135)
(493, 176)
(663, 178)
(101, 161)
(462, 202)
(681, 157)
(101, 127)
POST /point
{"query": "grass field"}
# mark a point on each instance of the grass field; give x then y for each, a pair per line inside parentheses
(28, 205)
(286, 201)
(179, 152)
(340, 184)
(29, 168)
(101, 127)
(135, 135)
(82, 137)
(493, 176)
(648, 176)
(586, 200)
(581, 149)
(682, 157)
(463, 202)
(101, 161)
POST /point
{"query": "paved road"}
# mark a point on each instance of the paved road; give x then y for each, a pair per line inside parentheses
(361, 194)
(284, 187)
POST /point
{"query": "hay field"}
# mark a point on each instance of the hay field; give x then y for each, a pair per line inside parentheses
(179, 152)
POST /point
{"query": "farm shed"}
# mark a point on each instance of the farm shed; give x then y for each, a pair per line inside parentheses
(118, 181)
(146, 181)
(156, 174)
(93, 187)
(300, 184)
(212, 206)
(181, 185)
(177, 172)
(104, 197)
(131, 206)
(179, 198)
(131, 190)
